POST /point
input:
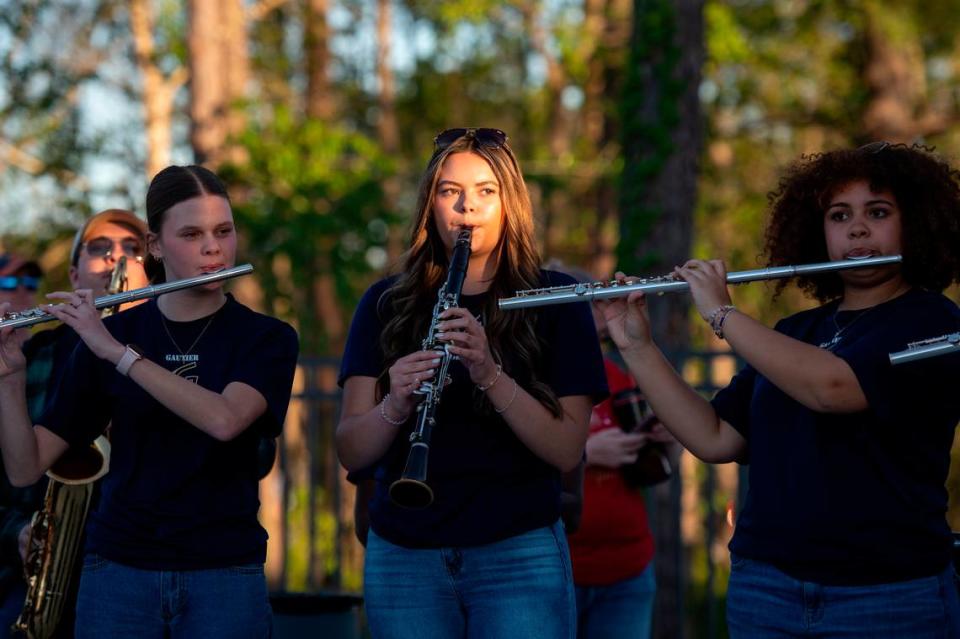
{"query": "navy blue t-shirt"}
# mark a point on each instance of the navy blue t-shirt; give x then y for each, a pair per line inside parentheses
(176, 498)
(487, 485)
(849, 499)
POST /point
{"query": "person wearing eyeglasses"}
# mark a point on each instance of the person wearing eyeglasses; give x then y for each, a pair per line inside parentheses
(488, 558)
(97, 245)
(842, 532)
(19, 281)
(188, 382)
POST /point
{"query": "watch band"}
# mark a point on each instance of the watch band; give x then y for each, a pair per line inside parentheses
(130, 356)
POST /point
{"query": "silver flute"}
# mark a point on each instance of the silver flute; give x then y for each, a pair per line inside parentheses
(584, 292)
(943, 345)
(37, 315)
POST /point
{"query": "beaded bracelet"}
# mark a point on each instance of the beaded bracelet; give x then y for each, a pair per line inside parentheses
(385, 417)
(718, 317)
(510, 403)
(496, 378)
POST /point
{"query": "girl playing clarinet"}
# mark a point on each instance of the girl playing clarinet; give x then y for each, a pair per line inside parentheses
(488, 558)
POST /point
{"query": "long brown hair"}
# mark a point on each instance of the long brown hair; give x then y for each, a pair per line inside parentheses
(410, 299)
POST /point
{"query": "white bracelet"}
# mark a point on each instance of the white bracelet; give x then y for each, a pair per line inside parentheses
(496, 378)
(718, 317)
(512, 397)
(385, 417)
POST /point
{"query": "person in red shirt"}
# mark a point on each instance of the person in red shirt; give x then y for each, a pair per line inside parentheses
(612, 547)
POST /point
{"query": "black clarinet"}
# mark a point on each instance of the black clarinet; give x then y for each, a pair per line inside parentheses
(411, 490)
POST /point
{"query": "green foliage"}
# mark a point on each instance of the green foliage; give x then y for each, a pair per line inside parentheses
(43, 47)
(310, 194)
(448, 14)
(301, 576)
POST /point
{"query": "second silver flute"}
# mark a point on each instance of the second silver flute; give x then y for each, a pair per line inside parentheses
(38, 315)
(668, 284)
(933, 347)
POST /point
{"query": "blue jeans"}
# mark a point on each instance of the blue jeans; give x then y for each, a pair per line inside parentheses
(518, 587)
(764, 602)
(118, 601)
(621, 609)
(11, 606)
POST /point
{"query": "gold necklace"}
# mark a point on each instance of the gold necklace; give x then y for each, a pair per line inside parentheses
(163, 321)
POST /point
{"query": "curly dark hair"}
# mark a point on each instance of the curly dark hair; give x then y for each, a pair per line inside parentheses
(927, 191)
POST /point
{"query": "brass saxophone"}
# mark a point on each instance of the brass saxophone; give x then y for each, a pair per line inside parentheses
(57, 528)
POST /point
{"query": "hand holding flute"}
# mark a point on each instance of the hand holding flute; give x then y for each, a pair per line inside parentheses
(628, 320)
(12, 360)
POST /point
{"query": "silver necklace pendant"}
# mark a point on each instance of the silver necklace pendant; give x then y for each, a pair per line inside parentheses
(833, 341)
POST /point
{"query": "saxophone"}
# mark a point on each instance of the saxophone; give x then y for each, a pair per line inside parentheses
(57, 528)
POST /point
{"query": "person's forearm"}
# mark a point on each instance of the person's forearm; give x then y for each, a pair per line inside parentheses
(208, 411)
(816, 378)
(683, 411)
(557, 441)
(363, 439)
(18, 442)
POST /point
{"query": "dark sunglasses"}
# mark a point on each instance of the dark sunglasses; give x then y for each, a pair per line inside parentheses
(874, 147)
(492, 138)
(11, 282)
(103, 246)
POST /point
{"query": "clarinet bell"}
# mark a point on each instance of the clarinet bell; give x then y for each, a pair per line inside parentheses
(411, 490)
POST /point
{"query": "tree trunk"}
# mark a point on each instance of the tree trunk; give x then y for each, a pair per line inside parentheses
(219, 66)
(662, 133)
(899, 108)
(559, 131)
(320, 100)
(604, 25)
(894, 75)
(387, 126)
(158, 92)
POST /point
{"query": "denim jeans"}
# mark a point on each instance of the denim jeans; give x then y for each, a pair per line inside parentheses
(518, 587)
(118, 601)
(764, 602)
(621, 609)
(10, 607)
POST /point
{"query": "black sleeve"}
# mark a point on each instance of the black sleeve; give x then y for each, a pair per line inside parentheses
(268, 365)
(895, 392)
(362, 355)
(80, 408)
(732, 403)
(574, 362)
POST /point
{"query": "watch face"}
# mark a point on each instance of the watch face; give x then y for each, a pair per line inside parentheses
(136, 349)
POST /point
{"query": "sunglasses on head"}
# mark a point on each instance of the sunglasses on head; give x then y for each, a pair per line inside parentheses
(103, 247)
(492, 138)
(11, 282)
(874, 147)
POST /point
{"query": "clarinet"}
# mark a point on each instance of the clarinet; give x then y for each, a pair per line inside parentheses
(411, 490)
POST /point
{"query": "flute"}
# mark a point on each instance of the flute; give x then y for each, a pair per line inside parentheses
(37, 315)
(669, 284)
(943, 345)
